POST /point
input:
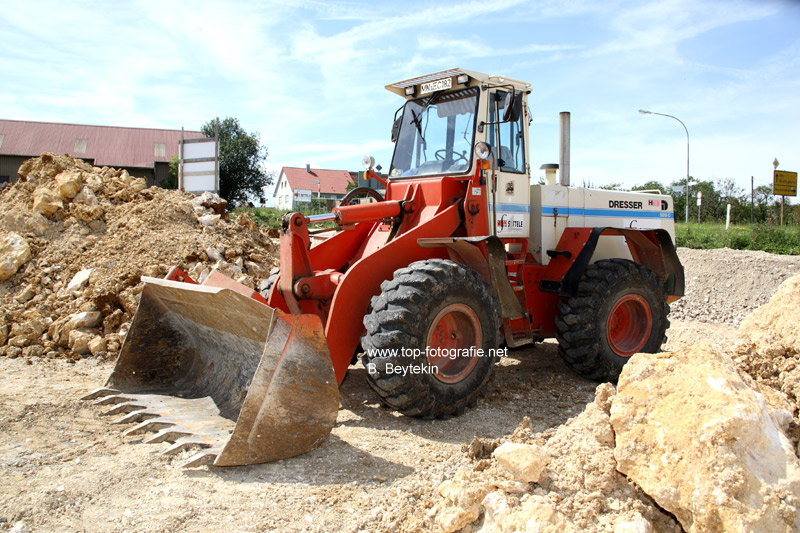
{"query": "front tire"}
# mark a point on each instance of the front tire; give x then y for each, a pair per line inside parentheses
(621, 309)
(431, 339)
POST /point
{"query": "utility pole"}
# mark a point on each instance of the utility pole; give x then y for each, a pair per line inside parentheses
(751, 200)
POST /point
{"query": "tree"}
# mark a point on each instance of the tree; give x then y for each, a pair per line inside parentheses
(651, 185)
(172, 181)
(241, 173)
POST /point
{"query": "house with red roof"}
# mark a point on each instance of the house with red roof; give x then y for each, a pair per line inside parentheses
(297, 186)
(144, 153)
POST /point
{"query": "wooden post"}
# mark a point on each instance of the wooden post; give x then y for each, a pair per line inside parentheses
(180, 162)
(216, 156)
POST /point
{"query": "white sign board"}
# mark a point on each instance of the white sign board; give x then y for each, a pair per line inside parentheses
(199, 150)
(302, 195)
(198, 168)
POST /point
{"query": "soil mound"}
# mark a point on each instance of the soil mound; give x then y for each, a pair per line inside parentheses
(90, 234)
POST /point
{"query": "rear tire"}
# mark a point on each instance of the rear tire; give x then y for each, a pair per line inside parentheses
(620, 310)
(435, 303)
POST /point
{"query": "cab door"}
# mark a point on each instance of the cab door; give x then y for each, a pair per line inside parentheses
(509, 197)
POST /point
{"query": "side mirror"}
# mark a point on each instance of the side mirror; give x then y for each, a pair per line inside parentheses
(512, 106)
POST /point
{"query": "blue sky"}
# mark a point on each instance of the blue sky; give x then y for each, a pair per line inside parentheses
(310, 76)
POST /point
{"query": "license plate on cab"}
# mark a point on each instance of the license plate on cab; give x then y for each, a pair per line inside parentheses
(438, 85)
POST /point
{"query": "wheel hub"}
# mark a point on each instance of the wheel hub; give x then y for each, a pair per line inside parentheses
(629, 325)
(453, 339)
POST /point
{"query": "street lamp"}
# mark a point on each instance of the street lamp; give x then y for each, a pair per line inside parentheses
(318, 189)
(645, 112)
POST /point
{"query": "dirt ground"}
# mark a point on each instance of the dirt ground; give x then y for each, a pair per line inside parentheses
(66, 468)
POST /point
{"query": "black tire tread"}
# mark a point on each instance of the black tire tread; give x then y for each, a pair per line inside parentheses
(578, 335)
(395, 322)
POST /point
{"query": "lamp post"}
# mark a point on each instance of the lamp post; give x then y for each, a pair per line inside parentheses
(318, 189)
(645, 112)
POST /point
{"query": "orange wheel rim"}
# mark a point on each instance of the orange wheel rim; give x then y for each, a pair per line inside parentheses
(629, 325)
(453, 340)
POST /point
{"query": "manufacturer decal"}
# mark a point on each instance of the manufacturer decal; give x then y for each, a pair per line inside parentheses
(510, 224)
(624, 204)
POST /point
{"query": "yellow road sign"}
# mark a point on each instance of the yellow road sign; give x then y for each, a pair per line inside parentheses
(784, 183)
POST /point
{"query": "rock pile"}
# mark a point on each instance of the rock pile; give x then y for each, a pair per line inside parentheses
(724, 286)
(694, 440)
(75, 240)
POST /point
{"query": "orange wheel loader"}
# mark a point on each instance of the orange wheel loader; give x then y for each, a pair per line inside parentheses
(456, 258)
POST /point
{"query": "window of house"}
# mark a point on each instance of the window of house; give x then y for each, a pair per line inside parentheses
(80, 146)
(159, 149)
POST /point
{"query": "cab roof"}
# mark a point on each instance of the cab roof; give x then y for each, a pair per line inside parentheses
(473, 78)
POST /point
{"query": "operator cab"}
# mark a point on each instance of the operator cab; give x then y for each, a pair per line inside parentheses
(447, 116)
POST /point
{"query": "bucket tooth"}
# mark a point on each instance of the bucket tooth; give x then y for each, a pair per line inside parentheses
(136, 416)
(206, 457)
(112, 400)
(185, 444)
(123, 408)
(154, 424)
(169, 434)
(99, 393)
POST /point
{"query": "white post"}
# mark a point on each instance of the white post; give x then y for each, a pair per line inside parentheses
(728, 218)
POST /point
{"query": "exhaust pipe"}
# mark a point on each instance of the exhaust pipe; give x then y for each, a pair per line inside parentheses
(563, 156)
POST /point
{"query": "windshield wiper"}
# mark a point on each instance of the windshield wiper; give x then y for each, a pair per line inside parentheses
(417, 120)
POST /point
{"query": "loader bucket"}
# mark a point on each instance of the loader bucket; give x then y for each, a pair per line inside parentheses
(211, 368)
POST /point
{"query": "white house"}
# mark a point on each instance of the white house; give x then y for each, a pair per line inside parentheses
(299, 185)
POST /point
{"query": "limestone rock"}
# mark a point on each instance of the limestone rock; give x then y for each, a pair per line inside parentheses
(14, 252)
(79, 280)
(86, 196)
(702, 442)
(462, 501)
(24, 222)
(79, 340)
(60, 330)
(209, 203)
(776, 323)
(97, 345)
(29, 330)
(536, 514)
(69, 183)
(208, 220)
(525, 461)
(45, 202)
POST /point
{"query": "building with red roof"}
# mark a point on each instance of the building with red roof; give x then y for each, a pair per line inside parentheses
(299, 185)
(144, 153)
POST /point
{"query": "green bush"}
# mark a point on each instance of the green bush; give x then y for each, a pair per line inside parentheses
(766, 237)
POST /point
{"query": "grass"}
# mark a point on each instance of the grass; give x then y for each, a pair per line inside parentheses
(271, 217)
(769, 238)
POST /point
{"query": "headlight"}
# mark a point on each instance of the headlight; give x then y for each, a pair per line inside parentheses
(482, 150)
(368, 162)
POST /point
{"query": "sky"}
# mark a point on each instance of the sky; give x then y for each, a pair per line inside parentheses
(309, 76)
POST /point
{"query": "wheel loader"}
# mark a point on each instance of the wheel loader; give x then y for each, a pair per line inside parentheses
(455, 259)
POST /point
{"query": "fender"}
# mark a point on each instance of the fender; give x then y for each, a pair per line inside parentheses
(652, 248)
